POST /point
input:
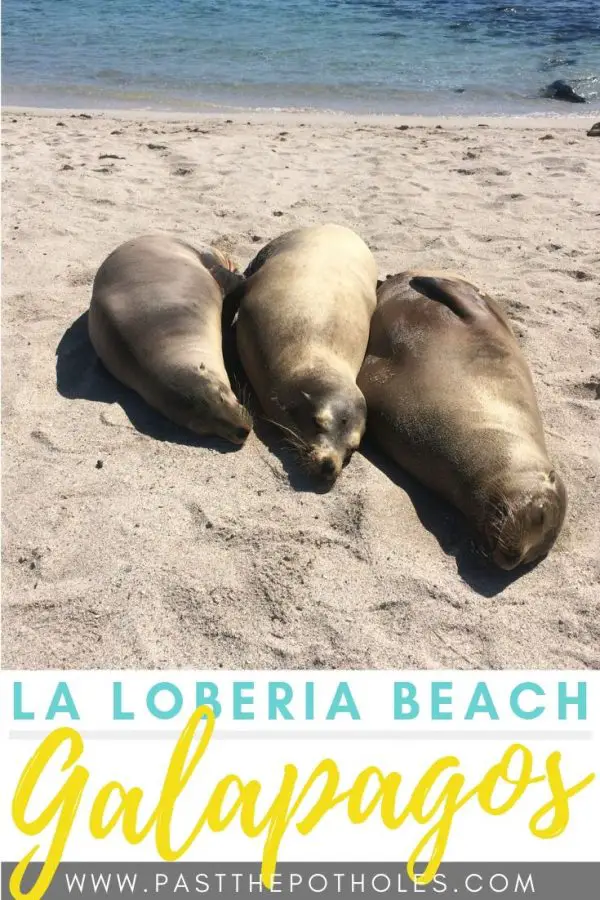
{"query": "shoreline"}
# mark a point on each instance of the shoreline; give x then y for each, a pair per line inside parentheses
(329, 99)
(313, 117)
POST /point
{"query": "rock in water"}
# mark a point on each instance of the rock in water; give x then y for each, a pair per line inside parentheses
(560, 90)
(594, 130)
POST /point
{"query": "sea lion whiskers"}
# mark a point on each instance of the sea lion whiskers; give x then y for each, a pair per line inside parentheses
(243, 393)
(499, 512)
(293, 438)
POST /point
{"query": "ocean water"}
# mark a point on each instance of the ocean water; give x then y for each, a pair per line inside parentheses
(392, 56)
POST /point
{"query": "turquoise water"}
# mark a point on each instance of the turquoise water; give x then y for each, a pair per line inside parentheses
(425, 56)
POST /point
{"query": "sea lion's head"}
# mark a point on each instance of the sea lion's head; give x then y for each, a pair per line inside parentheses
(523, 522)
(206, 405)
(218, 411)
(325, 419)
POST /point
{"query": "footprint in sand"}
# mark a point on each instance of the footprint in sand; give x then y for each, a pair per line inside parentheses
(593, 386)
(347, 519)
(580, 275)
(42, 438)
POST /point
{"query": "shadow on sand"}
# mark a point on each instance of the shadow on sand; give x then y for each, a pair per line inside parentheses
(449, 527)
(299, 478)
(80, 375)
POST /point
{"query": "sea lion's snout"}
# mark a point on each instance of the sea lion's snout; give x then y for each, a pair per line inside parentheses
(507, 561)
(240, 433)
(234, 422)
(530, 524)
(232, 432)
(328, 468)
(333, 447)
(327, 417)
(218, 411)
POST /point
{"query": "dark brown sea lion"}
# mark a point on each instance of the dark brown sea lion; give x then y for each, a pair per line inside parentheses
(560, 90)
(155, 322)
(451, 399)
(302, 332)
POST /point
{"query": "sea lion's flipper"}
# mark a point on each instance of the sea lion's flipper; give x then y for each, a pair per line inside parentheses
(227, 280)
(222, 269)
(261, 258)
(227, 276)
(464, 299)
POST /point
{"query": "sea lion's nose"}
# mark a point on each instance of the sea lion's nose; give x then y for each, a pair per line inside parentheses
(508, 561)
(328, 468)
(242, 433)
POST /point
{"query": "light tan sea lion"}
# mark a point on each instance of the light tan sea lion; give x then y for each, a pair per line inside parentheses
(451, 399)
(302, 332)
(155, 322)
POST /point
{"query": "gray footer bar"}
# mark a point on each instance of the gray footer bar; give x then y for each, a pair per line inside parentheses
(459, 881)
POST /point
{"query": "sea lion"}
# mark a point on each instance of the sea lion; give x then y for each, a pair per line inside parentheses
(560, 90)
(302, 332)
(451, 399)
(155, 322)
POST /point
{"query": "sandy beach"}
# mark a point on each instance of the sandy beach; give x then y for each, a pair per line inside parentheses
(127, 543)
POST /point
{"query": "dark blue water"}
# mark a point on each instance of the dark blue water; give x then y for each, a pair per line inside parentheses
(405, 56)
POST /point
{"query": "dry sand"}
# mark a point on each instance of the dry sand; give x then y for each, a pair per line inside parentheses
(128, 544)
